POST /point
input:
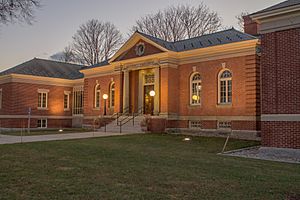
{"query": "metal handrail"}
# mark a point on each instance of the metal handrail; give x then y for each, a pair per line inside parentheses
(129, 118)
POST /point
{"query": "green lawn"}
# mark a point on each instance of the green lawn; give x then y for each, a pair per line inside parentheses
(45, 132)
(141, 167)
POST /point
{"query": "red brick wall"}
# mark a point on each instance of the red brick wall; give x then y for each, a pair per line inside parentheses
(245, 125)
(23, 123)
(250, 26)
(281, 134)
(169, 90)
(281, 72)
(281, 86)
(134, 90)
(104, 82)
(18, 97)
(245, 71)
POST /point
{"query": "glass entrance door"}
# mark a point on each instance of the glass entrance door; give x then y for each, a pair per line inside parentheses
(148, 100)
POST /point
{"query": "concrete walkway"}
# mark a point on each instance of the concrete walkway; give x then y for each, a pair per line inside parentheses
(7, 139)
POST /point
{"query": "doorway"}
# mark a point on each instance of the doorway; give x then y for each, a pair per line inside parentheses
(148, 100)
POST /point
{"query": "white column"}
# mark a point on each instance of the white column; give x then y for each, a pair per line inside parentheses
(126, 90)
(157, 90)
(141, 90)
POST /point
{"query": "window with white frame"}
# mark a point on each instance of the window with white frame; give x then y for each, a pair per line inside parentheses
(0, 98)
(225, 87)
(43, 98)
(67, 100)
(112, 95)
(97, 96)
(195, 89)
(224, 124)
(42, 123)
(195, 124)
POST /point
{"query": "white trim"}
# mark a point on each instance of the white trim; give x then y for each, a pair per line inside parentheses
(33, 116)
(42, 90)
(110, 94)
(219, 87)
(96, 91)
(46, 123)
(213, 118)
(67, 93)
(40, 101)
(281, 117)
(39, 80)
(198, 91)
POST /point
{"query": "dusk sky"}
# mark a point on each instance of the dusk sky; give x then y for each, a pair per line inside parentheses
(58, 20)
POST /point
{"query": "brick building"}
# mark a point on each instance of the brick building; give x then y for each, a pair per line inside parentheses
(279, 27)
(209, 83)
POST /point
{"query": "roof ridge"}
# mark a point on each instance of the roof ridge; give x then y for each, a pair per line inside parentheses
(57, 61)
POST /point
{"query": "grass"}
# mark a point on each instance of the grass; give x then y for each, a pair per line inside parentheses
(45, 132)
(141, 167)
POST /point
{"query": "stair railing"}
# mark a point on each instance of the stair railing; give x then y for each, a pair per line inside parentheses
(130, 117)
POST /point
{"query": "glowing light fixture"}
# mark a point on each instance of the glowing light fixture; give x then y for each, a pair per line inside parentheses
(152, 93)
(195, 97)
(187, 139)
(60, 130)
(105, 96)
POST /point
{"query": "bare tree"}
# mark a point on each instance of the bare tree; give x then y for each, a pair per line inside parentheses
(67, 55)
(17, 10)
(179, 22)
(96, 41)
(241, 20)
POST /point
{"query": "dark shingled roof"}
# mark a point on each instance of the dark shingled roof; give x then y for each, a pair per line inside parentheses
(101, 64)
(46, 68)
(214, 39)
(279, 6)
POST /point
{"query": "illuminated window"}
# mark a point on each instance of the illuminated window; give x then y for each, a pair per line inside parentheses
(42, 123)
(43, 98)
(112, 95)
(225, 87)
(195, 89)
(97, 96)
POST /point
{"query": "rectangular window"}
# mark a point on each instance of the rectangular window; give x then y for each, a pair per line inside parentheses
(195, 124)
(229, 87)
(42, 123)
(224, 125)
(77, 104)
(223, 92)
(42, 99)
(0, 98)
(112, 99)
(67, 101)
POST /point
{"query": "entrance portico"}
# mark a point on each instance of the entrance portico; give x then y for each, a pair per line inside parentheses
(138, 82)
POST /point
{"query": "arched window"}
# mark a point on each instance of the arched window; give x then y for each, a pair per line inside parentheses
(225, 87)
(195, 89)
(112, 95)
(97, 96)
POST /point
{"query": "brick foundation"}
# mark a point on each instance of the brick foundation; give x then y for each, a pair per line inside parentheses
(281, 134)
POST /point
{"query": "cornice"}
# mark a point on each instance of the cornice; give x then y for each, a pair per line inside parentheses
(275, 13)
(21, 78)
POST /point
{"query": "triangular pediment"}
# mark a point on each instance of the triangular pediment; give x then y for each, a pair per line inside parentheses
(137, 46)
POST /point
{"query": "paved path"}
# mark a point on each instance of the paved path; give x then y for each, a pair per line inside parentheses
(7, 139)
(268, 153)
